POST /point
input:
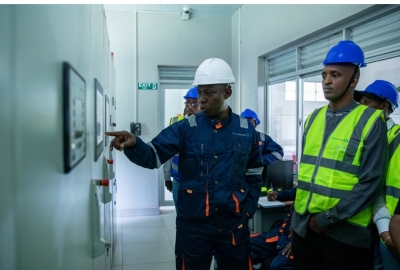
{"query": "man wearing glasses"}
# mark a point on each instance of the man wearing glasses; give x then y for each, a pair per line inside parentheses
(171, 166)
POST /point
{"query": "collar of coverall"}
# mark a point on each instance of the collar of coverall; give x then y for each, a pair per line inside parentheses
(216, 124)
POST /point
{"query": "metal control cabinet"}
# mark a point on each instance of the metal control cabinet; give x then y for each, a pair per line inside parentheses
(103, 214)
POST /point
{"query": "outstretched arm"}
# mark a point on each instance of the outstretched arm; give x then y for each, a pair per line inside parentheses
(148, 155)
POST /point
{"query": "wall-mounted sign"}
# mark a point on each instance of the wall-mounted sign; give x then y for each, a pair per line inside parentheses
(147, 86)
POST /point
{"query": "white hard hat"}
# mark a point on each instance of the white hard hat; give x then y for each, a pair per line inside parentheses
(213, 71)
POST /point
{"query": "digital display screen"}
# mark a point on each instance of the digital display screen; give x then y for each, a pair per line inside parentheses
(98, 120)
(74, 87)
(99, 117)
(106, 119)
(78, 125)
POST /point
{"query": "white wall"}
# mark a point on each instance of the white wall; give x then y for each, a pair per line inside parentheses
(45, 220)
(166, 39)
(145, 41)
(264, 28)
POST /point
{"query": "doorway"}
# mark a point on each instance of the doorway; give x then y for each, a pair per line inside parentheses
(173, 105)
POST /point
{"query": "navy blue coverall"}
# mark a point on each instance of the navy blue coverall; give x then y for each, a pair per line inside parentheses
(273, 242)
(220, 181)
(270, 150)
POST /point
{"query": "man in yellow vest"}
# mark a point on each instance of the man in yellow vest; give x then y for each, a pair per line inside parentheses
(170, 167)
(384, 96)
(341, 168)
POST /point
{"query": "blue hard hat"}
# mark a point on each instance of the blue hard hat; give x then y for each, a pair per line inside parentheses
(250, 114)
(346, 51)
(382, 89)
(192, 93)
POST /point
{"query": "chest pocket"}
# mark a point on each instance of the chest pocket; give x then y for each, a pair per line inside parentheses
(193, 163)
(241, 151)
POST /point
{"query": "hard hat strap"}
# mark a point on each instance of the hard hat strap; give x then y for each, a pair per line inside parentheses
(348, 86)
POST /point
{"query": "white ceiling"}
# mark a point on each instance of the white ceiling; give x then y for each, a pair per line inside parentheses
(176, 8)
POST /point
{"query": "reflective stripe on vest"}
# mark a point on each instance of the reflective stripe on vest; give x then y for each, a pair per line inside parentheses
(393, 172)
(329, 171)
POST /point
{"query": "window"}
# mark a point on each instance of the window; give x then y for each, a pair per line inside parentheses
(313, 54)
(290, 90)
(378, 38)
(313, 90)
(282, 116)
(316, 98)
(282, 64)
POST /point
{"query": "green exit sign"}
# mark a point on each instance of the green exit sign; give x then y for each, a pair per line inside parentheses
(147, 86)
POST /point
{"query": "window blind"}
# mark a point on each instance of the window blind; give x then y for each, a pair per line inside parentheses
(314, 54)
(282, 64)
(177, 73)
(380, 38)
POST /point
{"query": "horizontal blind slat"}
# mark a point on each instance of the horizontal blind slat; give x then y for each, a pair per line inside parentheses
(314, 54)
(378, 37)
(282, 64)
(176, 73)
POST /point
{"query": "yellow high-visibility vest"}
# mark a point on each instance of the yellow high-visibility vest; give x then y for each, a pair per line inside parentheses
(393, 172)
(329, 171)
(176, 119)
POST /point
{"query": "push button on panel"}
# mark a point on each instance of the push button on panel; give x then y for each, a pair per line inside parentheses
(104, 182)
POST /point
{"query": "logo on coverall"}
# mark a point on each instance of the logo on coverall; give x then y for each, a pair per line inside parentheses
(240, 134)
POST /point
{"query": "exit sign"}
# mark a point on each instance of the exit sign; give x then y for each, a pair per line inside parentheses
(147, 86)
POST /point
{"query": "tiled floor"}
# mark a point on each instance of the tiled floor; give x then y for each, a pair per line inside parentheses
(146, 242)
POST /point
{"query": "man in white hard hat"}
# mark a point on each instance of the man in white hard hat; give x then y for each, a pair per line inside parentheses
(220, 173)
